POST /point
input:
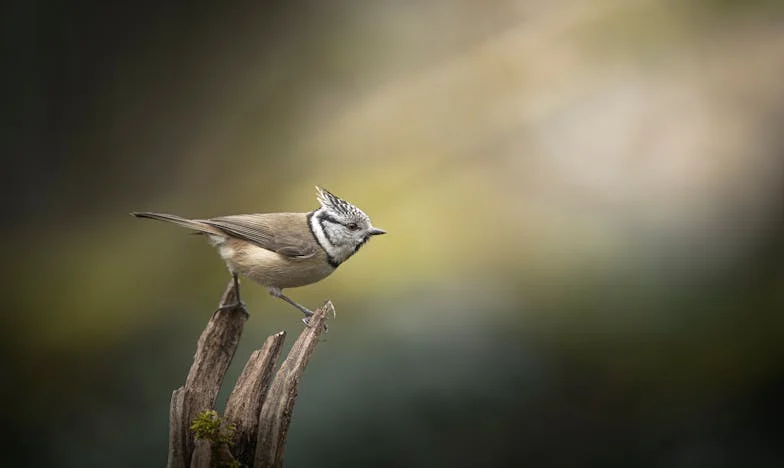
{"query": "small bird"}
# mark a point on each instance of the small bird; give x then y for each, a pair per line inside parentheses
(284, 250)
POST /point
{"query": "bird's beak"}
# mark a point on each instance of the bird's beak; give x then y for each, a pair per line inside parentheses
(376, 232)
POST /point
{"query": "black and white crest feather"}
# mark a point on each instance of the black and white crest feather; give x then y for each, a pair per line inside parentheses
(337, 204)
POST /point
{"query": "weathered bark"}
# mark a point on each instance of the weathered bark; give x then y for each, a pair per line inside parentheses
(259, 407)
(202, 454)
(214, 352)
(276, 411)
(244, 403)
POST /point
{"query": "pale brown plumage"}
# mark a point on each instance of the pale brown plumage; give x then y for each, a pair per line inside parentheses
(285, 233)
(273, 249)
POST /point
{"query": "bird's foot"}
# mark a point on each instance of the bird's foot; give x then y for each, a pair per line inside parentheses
(306, 321)
(237, 305)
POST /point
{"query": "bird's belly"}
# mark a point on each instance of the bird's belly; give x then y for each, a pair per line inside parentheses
(271, 269)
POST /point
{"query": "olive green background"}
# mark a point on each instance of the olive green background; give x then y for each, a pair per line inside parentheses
(583, 200)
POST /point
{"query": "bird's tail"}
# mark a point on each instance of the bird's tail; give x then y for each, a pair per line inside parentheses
(193, 224)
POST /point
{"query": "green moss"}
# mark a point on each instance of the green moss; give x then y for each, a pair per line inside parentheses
(209, 426)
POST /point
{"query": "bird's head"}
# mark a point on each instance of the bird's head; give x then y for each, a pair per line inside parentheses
(340, 227)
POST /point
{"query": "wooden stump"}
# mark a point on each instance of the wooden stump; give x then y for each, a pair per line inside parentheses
(261, 404)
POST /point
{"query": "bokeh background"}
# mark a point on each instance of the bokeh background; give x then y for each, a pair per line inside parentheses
(583, 199)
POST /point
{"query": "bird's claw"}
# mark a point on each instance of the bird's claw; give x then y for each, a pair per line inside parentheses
(306, 321)
(237, 305)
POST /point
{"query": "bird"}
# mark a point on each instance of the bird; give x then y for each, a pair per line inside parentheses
(284, 250)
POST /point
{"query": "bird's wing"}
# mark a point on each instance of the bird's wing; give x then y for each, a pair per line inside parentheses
(285, 233)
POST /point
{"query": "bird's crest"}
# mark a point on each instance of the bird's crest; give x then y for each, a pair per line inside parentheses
(335, 203)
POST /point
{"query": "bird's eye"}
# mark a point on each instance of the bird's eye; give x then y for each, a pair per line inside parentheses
(352, 226)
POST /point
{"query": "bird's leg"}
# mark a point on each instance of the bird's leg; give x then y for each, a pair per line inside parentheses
(237, 287)
(239, 303)
(276, 292)
(308, 313)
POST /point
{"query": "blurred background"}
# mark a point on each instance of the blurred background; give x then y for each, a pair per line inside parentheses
(583, 200)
